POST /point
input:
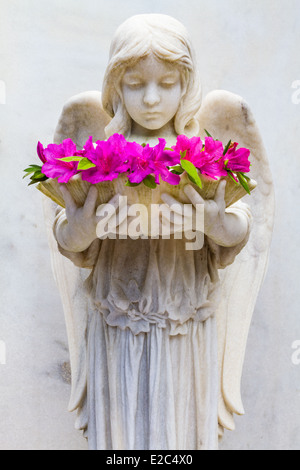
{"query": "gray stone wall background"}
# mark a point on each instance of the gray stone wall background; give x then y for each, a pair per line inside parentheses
(53, 49)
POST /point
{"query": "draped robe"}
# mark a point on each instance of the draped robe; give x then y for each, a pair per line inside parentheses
(152, 380)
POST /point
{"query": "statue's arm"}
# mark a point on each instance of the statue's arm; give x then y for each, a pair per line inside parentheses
(84, 258)
(75, 230)
(226, 227)
(226, 253)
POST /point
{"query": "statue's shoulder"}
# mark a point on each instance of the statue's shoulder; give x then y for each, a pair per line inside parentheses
(224, 100)
(82, 116)
(86, 98)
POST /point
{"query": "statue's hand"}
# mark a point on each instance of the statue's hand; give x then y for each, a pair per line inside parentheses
(112, 218)
(80, 230)
(181, 218)
(214, 209)
(226, 228)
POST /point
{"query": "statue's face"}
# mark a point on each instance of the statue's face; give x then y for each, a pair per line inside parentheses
(152, 91)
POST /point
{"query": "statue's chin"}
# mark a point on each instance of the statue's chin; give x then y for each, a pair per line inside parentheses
(154, 125)
(160, 123)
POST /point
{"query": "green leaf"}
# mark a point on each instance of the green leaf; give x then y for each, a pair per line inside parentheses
(32, 169)
(192, 179)
(149, 181)
(37, 178)
(71, 159)
(28, 174)
(37, 175)
(131, 185)
(243, 182)
(207, 133)
(245, 176)
(232, 177)
(177, 169)
(191, 171)
(227, 148)
(85, 164)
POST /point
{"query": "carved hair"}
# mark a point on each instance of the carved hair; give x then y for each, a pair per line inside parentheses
(168, 40)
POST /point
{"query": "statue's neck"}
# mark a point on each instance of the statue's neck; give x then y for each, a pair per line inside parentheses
(148, 136)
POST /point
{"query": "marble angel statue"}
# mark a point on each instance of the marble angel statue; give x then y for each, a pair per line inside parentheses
(157, 334)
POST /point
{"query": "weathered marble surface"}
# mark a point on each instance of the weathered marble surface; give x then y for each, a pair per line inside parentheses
(34, 394)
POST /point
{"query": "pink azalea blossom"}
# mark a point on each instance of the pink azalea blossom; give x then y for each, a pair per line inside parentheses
(237, 160)
(40, 152)
(214, 148)
(206, 157)
(192, 147)
(110, 159)
(210, 160)
(116, 156)
(54, 167)
(141, 162)
(162, 160)
(147, 160)
(212, 169)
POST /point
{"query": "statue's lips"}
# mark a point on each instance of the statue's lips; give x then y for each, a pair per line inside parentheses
(152, 115)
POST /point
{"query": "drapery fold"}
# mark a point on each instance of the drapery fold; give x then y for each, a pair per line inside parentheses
(152, 390)
(152, 372)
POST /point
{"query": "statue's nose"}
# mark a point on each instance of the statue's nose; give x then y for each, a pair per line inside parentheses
(152, 96)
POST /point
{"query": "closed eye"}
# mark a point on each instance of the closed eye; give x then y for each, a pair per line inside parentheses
(168, 84)
(134, 84)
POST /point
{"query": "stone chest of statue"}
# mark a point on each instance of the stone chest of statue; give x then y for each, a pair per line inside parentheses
(157, 333)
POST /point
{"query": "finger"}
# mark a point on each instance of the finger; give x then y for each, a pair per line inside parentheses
(174, 228)
(117, 202)
(175, 205)
(69, 201)
(89, 207)
(220, 193)
(193, 195)
(171, 215)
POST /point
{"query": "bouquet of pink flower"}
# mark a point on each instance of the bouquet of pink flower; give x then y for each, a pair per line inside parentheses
(104, 161)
